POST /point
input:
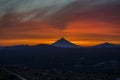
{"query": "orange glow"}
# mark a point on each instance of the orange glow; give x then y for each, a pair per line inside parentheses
(85, 33)
(25, 42)
(48, 41)
(94, 27)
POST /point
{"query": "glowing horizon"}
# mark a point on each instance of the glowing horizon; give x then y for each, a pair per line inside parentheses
(37, 42)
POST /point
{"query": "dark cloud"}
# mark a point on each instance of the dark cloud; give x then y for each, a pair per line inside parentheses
(109, 13)
(18, 16)
(60, 13)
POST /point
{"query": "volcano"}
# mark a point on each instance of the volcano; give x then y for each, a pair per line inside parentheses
(64, 44)
(107, 45)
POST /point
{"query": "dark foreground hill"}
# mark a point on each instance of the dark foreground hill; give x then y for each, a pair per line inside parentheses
(64, 55)
(24, 73)
(75, 59)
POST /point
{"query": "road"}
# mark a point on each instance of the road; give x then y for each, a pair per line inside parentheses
(18, 76)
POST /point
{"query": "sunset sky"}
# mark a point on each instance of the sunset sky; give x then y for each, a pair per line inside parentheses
(84, 22)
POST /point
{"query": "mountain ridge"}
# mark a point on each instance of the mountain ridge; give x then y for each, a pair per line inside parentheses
(62, 43)
(107, 45)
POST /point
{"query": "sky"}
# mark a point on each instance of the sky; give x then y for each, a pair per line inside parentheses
(84, 22)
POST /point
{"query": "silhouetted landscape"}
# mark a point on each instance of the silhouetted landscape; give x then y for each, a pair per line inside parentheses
(63, 59)
(59, 39)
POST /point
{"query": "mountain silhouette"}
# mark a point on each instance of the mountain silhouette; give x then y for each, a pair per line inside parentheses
(1, 48)
(64, 44)
(107, 45)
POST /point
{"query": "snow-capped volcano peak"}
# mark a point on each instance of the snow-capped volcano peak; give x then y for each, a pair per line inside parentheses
(64, 43)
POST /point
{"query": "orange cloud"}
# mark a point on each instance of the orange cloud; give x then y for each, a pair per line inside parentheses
(84, 33)
(85, 27)
(92, 32)
(92, 27)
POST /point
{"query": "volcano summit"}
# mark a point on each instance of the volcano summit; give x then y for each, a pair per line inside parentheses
(64, 44)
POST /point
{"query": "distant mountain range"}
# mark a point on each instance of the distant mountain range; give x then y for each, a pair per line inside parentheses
(107, 45)
(62, 43)
(64, 55)
(1, 48)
